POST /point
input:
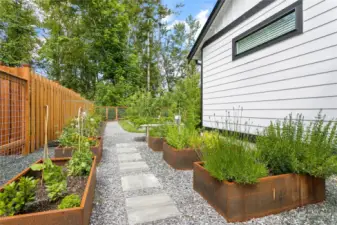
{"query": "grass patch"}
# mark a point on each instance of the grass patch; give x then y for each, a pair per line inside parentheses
(129, 127)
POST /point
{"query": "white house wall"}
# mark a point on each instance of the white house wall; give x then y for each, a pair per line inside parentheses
(298, 75)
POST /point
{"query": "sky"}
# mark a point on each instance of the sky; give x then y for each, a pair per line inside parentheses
(199, 9)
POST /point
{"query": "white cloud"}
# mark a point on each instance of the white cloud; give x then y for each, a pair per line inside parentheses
(202, 18)
(168, 18)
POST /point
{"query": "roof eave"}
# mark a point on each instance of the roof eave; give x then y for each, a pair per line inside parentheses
(205, 29)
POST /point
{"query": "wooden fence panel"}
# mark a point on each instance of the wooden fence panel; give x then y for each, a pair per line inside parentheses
(23, 97)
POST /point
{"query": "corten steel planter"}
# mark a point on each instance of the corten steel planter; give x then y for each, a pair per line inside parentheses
(274, 194)
(179, 159)
(62, 152)
(155, 143)
(74, 216)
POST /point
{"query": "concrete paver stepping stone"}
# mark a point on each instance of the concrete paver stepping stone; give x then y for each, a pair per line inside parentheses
(122, 150)
(149, 208)
(129, 157)
(133, 166)
(141, 181)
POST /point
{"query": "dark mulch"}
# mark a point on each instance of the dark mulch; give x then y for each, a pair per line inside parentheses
(75, 185)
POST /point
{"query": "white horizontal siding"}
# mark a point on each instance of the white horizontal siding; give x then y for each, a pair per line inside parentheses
(298, 75)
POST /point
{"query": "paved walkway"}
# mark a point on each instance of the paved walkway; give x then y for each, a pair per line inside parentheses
(135, 186)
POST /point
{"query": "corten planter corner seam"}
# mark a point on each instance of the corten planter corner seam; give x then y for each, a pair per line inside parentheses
(155, 143)
(179, 159)
(273, 194)
(63, 152)
(73, 216)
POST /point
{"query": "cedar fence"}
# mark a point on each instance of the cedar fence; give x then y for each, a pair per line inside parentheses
(23, 97)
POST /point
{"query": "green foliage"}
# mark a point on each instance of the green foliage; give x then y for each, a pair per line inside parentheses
(54, 177)
(70, 201)
(291, 148)
(176, 44)
(159, 131)
(80, 163)
(17, 32)
(69, 136)
(129, 127)
(279, 144)
(56, 189)
(178, 137)
(16, 195)
(227, 158)
(55, 180)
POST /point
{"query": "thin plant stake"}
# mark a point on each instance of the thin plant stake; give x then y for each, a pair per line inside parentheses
(45, 150)
(79, 127)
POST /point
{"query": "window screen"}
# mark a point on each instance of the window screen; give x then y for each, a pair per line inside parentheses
(280, 27)
(283, 25)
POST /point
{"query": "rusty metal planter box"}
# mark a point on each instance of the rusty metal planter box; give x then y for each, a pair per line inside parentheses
(62, 152)
(74, 216)
(179, 159)
(155, 143)
(274, 194)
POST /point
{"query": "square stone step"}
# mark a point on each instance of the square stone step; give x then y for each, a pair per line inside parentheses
(122, 150)
(133, 166)
(150, 208)
(129, 157)
(141, 181)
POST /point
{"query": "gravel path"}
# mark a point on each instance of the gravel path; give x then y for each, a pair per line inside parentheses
(110, 199)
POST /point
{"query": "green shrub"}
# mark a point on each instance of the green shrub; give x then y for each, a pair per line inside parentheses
(55, 180)
(69, 136)
(159, 131)
(80, 163)
(292, 148)
(70, 201)
(279, 144)
(226, 158)
(16, 195)
(178, 137)
(318, 156)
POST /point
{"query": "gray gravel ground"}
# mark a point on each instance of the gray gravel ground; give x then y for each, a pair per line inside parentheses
(12, 165)
(110, 199)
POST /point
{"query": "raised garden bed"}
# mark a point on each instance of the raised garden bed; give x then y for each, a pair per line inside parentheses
(155, 143)
(62, 152)
(74, 216)
(179, 159)
(273, 194)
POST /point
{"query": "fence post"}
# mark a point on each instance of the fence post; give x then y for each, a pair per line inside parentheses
(106, 113)
(26, 75)
(116, 112)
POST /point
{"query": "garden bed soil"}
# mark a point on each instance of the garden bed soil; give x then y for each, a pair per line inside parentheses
(155, 143)
(42, 212)
(63, 152)
(180, 159)
(273, 194)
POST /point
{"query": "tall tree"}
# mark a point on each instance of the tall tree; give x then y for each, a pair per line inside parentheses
(175, 45)
(17, 32)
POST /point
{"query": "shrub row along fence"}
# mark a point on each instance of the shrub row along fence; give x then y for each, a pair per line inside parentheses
(23, 97)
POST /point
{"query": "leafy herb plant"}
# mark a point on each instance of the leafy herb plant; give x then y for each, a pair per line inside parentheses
(292, 147)
(70, 201)
(80, 163)
(227, 158)
(16, 195)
